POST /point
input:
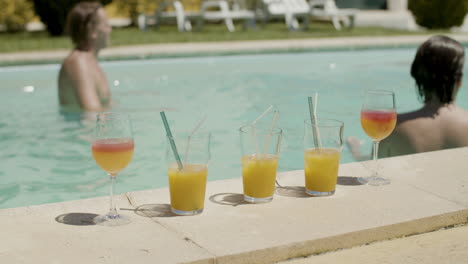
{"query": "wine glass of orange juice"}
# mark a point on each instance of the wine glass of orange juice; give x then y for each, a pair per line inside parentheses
(378, 119)
(112, 149)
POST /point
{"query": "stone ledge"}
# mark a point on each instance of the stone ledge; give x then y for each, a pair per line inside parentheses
(429, 191)
(442, 246)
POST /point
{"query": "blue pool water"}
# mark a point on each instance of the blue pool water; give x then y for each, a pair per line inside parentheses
(45, 155)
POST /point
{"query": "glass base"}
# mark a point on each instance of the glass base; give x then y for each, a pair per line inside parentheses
(111, 220)
(257, 200)
(374, 180)
(315, 193)
(180, 212)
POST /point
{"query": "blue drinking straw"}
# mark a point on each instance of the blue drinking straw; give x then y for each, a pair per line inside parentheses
(171, 140)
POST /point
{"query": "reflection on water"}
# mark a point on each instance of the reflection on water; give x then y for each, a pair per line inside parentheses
(45, 152)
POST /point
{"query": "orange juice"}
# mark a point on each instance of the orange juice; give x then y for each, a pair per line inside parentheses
(113, 154)
(378, 124)
(259, 175)
(321, 169)
(187, 187)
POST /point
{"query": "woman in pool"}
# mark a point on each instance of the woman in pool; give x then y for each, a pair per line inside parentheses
(82, 84)
(440, 124)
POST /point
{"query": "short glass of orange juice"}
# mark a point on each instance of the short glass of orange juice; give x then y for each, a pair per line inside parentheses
(187, 184)
(260, 155)
(323, 141)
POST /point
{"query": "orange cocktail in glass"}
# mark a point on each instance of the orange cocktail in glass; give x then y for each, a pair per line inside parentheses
(112, 149)
(378, 124)
(113, 154)
(378, 119)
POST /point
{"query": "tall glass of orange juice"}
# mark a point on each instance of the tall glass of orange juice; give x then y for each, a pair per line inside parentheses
(112, 149)
(378, 119)
(323, 141)
(187, 183)
(260, 154)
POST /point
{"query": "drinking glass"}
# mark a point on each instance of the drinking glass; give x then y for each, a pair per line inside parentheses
(260, 154)
(378, 119)
(187, 184)
(112, 149)
(323, 141)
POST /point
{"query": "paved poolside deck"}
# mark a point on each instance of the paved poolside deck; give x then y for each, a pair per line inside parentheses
(232, 47)
(448, 246)
(429, 191)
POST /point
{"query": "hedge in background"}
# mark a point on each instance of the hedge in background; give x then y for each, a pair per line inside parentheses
(438, 14)
(53, 13)
(132, 8)
(15, 14)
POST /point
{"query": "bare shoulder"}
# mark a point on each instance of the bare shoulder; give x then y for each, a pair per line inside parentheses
(453, 118)
(399, 142)
(455, 126)
(462, 117)
(75, 64)
(76, 71)
(406, 124)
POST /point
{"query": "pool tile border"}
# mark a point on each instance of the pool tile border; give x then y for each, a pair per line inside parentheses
(196, 49)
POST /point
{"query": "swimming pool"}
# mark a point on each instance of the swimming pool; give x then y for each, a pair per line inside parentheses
(45, 156)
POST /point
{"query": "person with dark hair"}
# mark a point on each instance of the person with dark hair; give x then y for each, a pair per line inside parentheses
(440, 124)
(82, 84)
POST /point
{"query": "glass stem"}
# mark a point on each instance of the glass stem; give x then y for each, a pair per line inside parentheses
(375, 156)
(113, 210)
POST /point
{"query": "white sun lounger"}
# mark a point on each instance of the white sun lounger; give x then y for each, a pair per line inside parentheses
(223, 10)
(327, 9)
(291, 10)
(181, 16)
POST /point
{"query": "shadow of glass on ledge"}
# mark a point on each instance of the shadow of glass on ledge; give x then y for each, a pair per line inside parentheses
(232, 199)
(292, 191)
(154, 210)
(348, 180)
(77, 219)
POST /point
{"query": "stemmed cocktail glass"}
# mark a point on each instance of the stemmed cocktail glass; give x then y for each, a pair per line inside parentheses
(378, 119)
(112, 149)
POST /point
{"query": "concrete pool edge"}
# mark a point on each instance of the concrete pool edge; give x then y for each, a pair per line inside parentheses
(195, 49)
(419, 200)
(348, 240)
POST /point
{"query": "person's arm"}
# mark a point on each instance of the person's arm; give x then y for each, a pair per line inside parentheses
(84, 86)
(104, 92)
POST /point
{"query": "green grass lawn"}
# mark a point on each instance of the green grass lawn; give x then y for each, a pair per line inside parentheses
(35, 41)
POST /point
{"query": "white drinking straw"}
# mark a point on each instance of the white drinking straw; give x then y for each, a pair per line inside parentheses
(254, 129)
(262, 115)
(200, 123)
(313, 120)
(270, 134)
